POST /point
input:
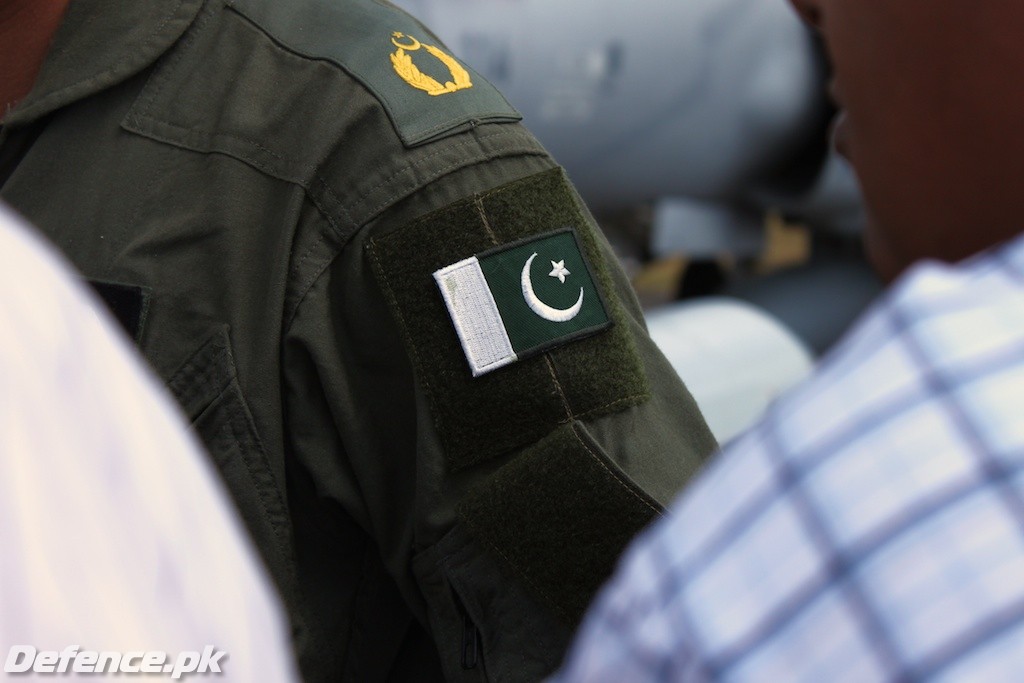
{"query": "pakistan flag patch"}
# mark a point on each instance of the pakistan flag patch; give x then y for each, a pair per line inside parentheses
(520, 299)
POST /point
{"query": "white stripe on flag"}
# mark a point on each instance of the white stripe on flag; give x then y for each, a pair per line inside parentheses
(475, 314)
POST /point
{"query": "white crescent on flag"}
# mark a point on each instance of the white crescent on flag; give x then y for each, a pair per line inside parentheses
(555, 315)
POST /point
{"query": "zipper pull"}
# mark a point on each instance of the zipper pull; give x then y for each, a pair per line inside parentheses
(470, 643)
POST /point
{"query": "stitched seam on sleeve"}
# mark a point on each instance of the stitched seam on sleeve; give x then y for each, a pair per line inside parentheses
(343, 236)
(238, 425)
(478, 202)
(462, 163)
(558, 385)
(615, 476)
(421, 160)
(607, 406)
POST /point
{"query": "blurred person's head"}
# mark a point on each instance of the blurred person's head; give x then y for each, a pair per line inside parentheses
(934, 108)
(26, 29)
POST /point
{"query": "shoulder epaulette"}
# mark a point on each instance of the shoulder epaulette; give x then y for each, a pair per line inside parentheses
(426, 91)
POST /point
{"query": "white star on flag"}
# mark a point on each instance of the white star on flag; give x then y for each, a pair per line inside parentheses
(560, 271)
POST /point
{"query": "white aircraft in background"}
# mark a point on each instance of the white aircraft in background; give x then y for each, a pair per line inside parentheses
(709, 114)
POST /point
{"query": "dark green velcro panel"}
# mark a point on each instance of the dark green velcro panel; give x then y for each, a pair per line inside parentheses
(483, 417)
(376, 43)
(559, 515)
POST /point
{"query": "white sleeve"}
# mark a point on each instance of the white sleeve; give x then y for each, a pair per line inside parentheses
(115, 533)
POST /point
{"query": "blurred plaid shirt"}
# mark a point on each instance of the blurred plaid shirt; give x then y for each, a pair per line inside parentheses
(870, 528)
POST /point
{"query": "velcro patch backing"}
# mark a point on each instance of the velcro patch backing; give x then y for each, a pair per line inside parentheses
(559, 515)
(479, 418)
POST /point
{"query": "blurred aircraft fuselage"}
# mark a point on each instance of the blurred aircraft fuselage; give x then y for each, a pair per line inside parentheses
(711, 100)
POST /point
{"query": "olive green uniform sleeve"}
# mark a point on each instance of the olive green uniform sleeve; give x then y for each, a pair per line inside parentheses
(499, 503)
(277, 179)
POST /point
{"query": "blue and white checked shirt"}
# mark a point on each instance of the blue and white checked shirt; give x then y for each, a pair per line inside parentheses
(871, 528)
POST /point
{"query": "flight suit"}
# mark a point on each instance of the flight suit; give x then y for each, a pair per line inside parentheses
(272, 196)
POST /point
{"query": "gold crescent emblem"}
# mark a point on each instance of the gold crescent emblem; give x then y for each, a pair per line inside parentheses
(405, 68)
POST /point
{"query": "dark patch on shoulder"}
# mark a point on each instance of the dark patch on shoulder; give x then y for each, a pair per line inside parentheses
(479, 418)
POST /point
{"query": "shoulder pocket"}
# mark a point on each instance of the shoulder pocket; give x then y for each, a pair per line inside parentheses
(207, 388)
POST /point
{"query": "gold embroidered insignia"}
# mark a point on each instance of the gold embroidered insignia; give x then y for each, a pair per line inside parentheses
(405, 68)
